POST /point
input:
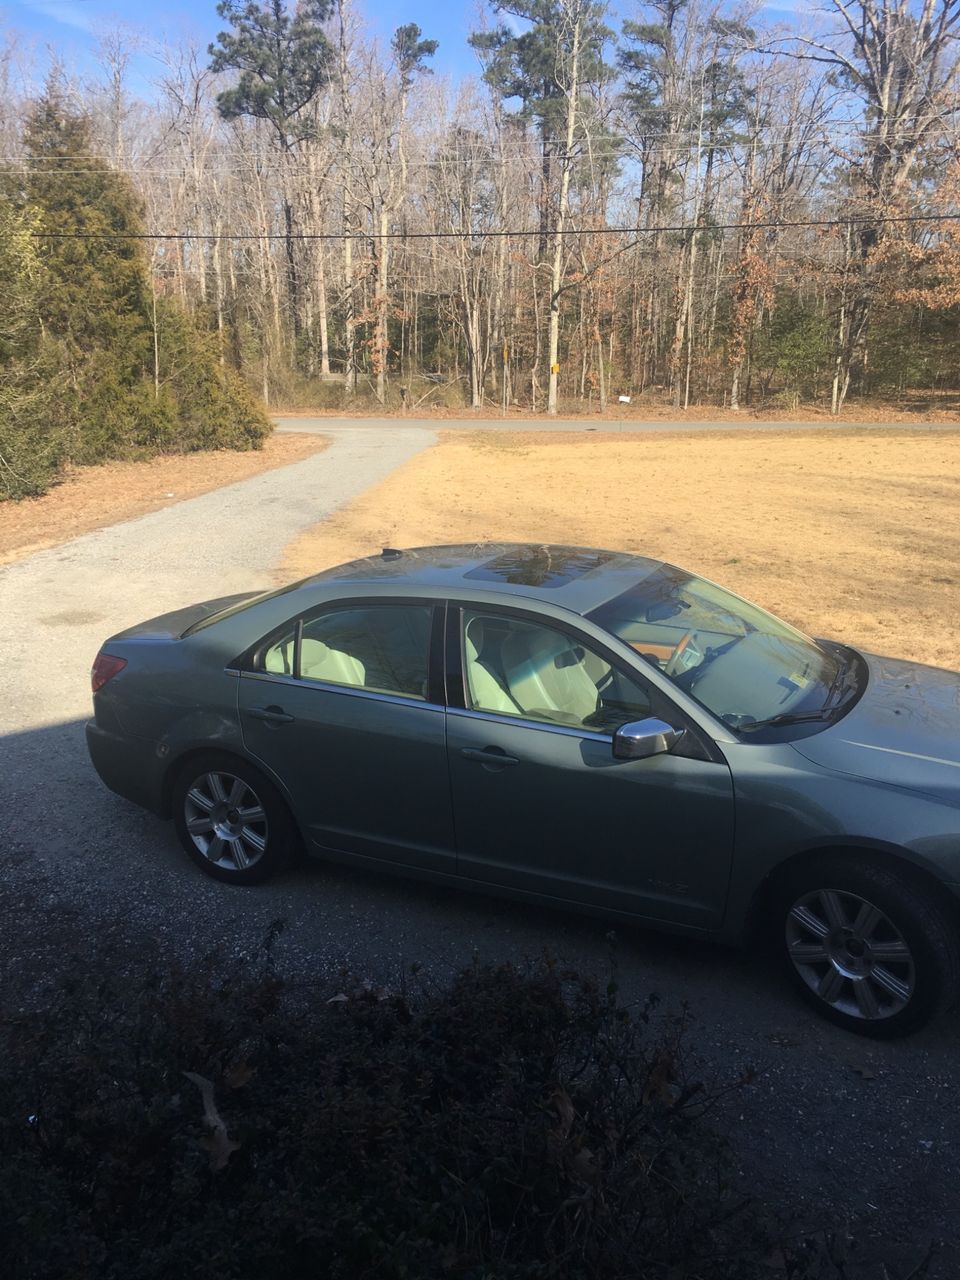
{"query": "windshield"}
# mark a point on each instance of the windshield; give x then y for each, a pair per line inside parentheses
(738, 661)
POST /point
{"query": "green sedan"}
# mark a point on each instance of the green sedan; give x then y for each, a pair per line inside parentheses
(570, 726)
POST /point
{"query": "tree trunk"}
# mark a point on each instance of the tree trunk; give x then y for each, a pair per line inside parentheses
(381, 303)
(322, 313)
(556, 273)
(735, 386)
(218, 291)
(349, 312)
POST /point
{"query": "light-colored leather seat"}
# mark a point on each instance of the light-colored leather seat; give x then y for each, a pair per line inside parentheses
(317, 662)
(279, 658)
(486, 688)
(546, 676)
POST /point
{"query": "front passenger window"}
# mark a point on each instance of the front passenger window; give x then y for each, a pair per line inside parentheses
(519, 668)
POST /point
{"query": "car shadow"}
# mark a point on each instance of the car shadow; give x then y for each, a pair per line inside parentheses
(78, 859)
(83, 869)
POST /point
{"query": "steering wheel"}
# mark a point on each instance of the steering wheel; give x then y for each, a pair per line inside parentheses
(672, 666)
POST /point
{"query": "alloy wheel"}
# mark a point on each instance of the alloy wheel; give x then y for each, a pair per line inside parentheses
(226, 821)
(850, 954)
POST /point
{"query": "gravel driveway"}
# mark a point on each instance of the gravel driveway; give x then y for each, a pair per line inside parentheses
(831, 1125)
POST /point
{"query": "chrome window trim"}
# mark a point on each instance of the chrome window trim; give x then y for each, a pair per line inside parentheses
(568, 731)
(271, 677)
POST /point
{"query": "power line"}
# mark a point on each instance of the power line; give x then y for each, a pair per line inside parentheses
(852, 220)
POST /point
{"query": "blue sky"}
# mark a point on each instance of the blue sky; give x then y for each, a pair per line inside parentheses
(71, 26)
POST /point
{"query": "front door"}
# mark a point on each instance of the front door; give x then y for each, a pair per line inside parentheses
(542, 805)
(339, 706)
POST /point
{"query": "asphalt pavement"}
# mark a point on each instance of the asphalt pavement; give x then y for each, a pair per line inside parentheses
(832, 1126)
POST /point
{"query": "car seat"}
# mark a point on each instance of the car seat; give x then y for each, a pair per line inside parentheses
(546, 676)
(485, 684)
(317, 662)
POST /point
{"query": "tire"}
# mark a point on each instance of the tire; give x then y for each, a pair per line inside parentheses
(231, 820)
(865, 945)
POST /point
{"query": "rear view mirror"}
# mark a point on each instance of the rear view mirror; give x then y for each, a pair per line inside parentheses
(642, 738)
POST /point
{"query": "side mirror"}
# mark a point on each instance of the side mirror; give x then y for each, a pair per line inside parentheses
(642, 738)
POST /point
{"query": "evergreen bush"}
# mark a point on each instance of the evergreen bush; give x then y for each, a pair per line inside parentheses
(92, 365)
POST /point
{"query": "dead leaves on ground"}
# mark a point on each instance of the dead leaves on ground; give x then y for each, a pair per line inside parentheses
(217, 1142)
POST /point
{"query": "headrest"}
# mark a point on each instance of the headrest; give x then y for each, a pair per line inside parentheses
(475, 633)
(317, 648)
(545, 646)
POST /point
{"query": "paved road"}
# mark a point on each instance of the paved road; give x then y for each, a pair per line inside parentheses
(297, 422)
(831, 1123)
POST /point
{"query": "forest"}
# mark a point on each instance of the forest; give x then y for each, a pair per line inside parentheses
(688, 205)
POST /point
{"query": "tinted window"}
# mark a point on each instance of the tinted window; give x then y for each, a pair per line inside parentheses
(518, 668)
(279, 657)
(383, 648)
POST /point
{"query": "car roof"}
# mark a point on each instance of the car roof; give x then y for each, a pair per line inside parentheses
(575, 578)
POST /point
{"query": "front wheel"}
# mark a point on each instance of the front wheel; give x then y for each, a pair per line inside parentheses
(866, 946)
(230, 819)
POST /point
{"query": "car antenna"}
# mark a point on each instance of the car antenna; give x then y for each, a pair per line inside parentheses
(390, 553)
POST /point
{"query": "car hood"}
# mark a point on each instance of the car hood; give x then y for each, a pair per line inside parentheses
(904, 731)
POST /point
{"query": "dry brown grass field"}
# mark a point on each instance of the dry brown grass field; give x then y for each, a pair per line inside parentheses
(849, 534)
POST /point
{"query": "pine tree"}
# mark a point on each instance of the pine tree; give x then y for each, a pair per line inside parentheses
(32, 440)
(529, 67)
(118, 372)
(283, 60)
(96, 288)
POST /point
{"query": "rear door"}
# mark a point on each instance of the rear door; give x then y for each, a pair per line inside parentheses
(344, 706)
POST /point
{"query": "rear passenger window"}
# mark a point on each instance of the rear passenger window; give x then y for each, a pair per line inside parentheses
(382, 648)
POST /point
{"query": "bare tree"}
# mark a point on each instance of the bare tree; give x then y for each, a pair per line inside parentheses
(900, 65)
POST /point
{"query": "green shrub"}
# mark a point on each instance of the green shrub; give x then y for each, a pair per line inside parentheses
(34, 439)
(213, 407)
(92, 366)
(794, 350)
(518, 1125)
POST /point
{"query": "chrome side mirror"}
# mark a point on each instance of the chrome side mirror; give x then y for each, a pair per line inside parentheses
(642, 738)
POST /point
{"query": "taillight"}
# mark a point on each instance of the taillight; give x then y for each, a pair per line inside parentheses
(105, 667)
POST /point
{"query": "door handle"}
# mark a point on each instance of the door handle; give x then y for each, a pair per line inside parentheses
(489, 756)
(272, 715)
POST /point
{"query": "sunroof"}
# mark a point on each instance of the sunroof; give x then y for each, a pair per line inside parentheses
(539, 566)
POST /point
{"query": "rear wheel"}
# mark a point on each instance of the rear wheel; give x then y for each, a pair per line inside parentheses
(231, 820)
(866, 946)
